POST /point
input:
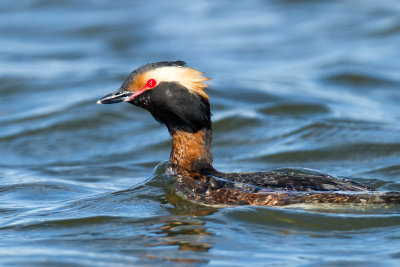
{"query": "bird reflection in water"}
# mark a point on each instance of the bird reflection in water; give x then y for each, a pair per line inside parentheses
(187, 234)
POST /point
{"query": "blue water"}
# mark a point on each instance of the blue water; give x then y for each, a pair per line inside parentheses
(306, 85)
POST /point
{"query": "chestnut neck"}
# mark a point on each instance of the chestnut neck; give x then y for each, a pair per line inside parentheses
(191, 153)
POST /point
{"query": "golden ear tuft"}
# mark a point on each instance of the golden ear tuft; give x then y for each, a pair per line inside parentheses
(188, 77)
(195, 81)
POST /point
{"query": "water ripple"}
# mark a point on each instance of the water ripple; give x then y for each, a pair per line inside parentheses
(290, 91)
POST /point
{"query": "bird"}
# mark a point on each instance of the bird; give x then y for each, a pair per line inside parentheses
(175, 95)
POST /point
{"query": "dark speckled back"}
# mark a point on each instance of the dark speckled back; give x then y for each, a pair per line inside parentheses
(279, 189)
(281, 181)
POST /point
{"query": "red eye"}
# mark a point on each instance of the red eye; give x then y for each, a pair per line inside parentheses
(151, 83)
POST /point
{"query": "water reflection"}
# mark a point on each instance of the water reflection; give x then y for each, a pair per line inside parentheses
(184, 235)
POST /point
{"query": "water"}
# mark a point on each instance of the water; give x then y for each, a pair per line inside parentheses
(305, 85)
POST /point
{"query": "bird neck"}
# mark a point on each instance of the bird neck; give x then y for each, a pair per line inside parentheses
(191, 153)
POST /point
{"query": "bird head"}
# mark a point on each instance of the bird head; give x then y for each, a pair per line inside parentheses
(172, 92)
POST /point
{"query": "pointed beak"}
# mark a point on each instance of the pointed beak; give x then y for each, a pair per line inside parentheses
(116, 97)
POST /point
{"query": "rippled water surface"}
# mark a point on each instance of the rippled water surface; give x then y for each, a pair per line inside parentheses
(301, 85)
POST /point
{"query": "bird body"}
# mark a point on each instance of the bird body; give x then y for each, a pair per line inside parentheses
(174, 94)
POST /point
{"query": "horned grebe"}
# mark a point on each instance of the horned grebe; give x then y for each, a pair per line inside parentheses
(174, 94)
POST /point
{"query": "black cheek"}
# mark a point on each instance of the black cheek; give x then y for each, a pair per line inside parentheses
(180, 109)
(143, 100)
(176, 107)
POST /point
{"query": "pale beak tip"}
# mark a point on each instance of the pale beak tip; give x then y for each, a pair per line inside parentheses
(99, 102)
